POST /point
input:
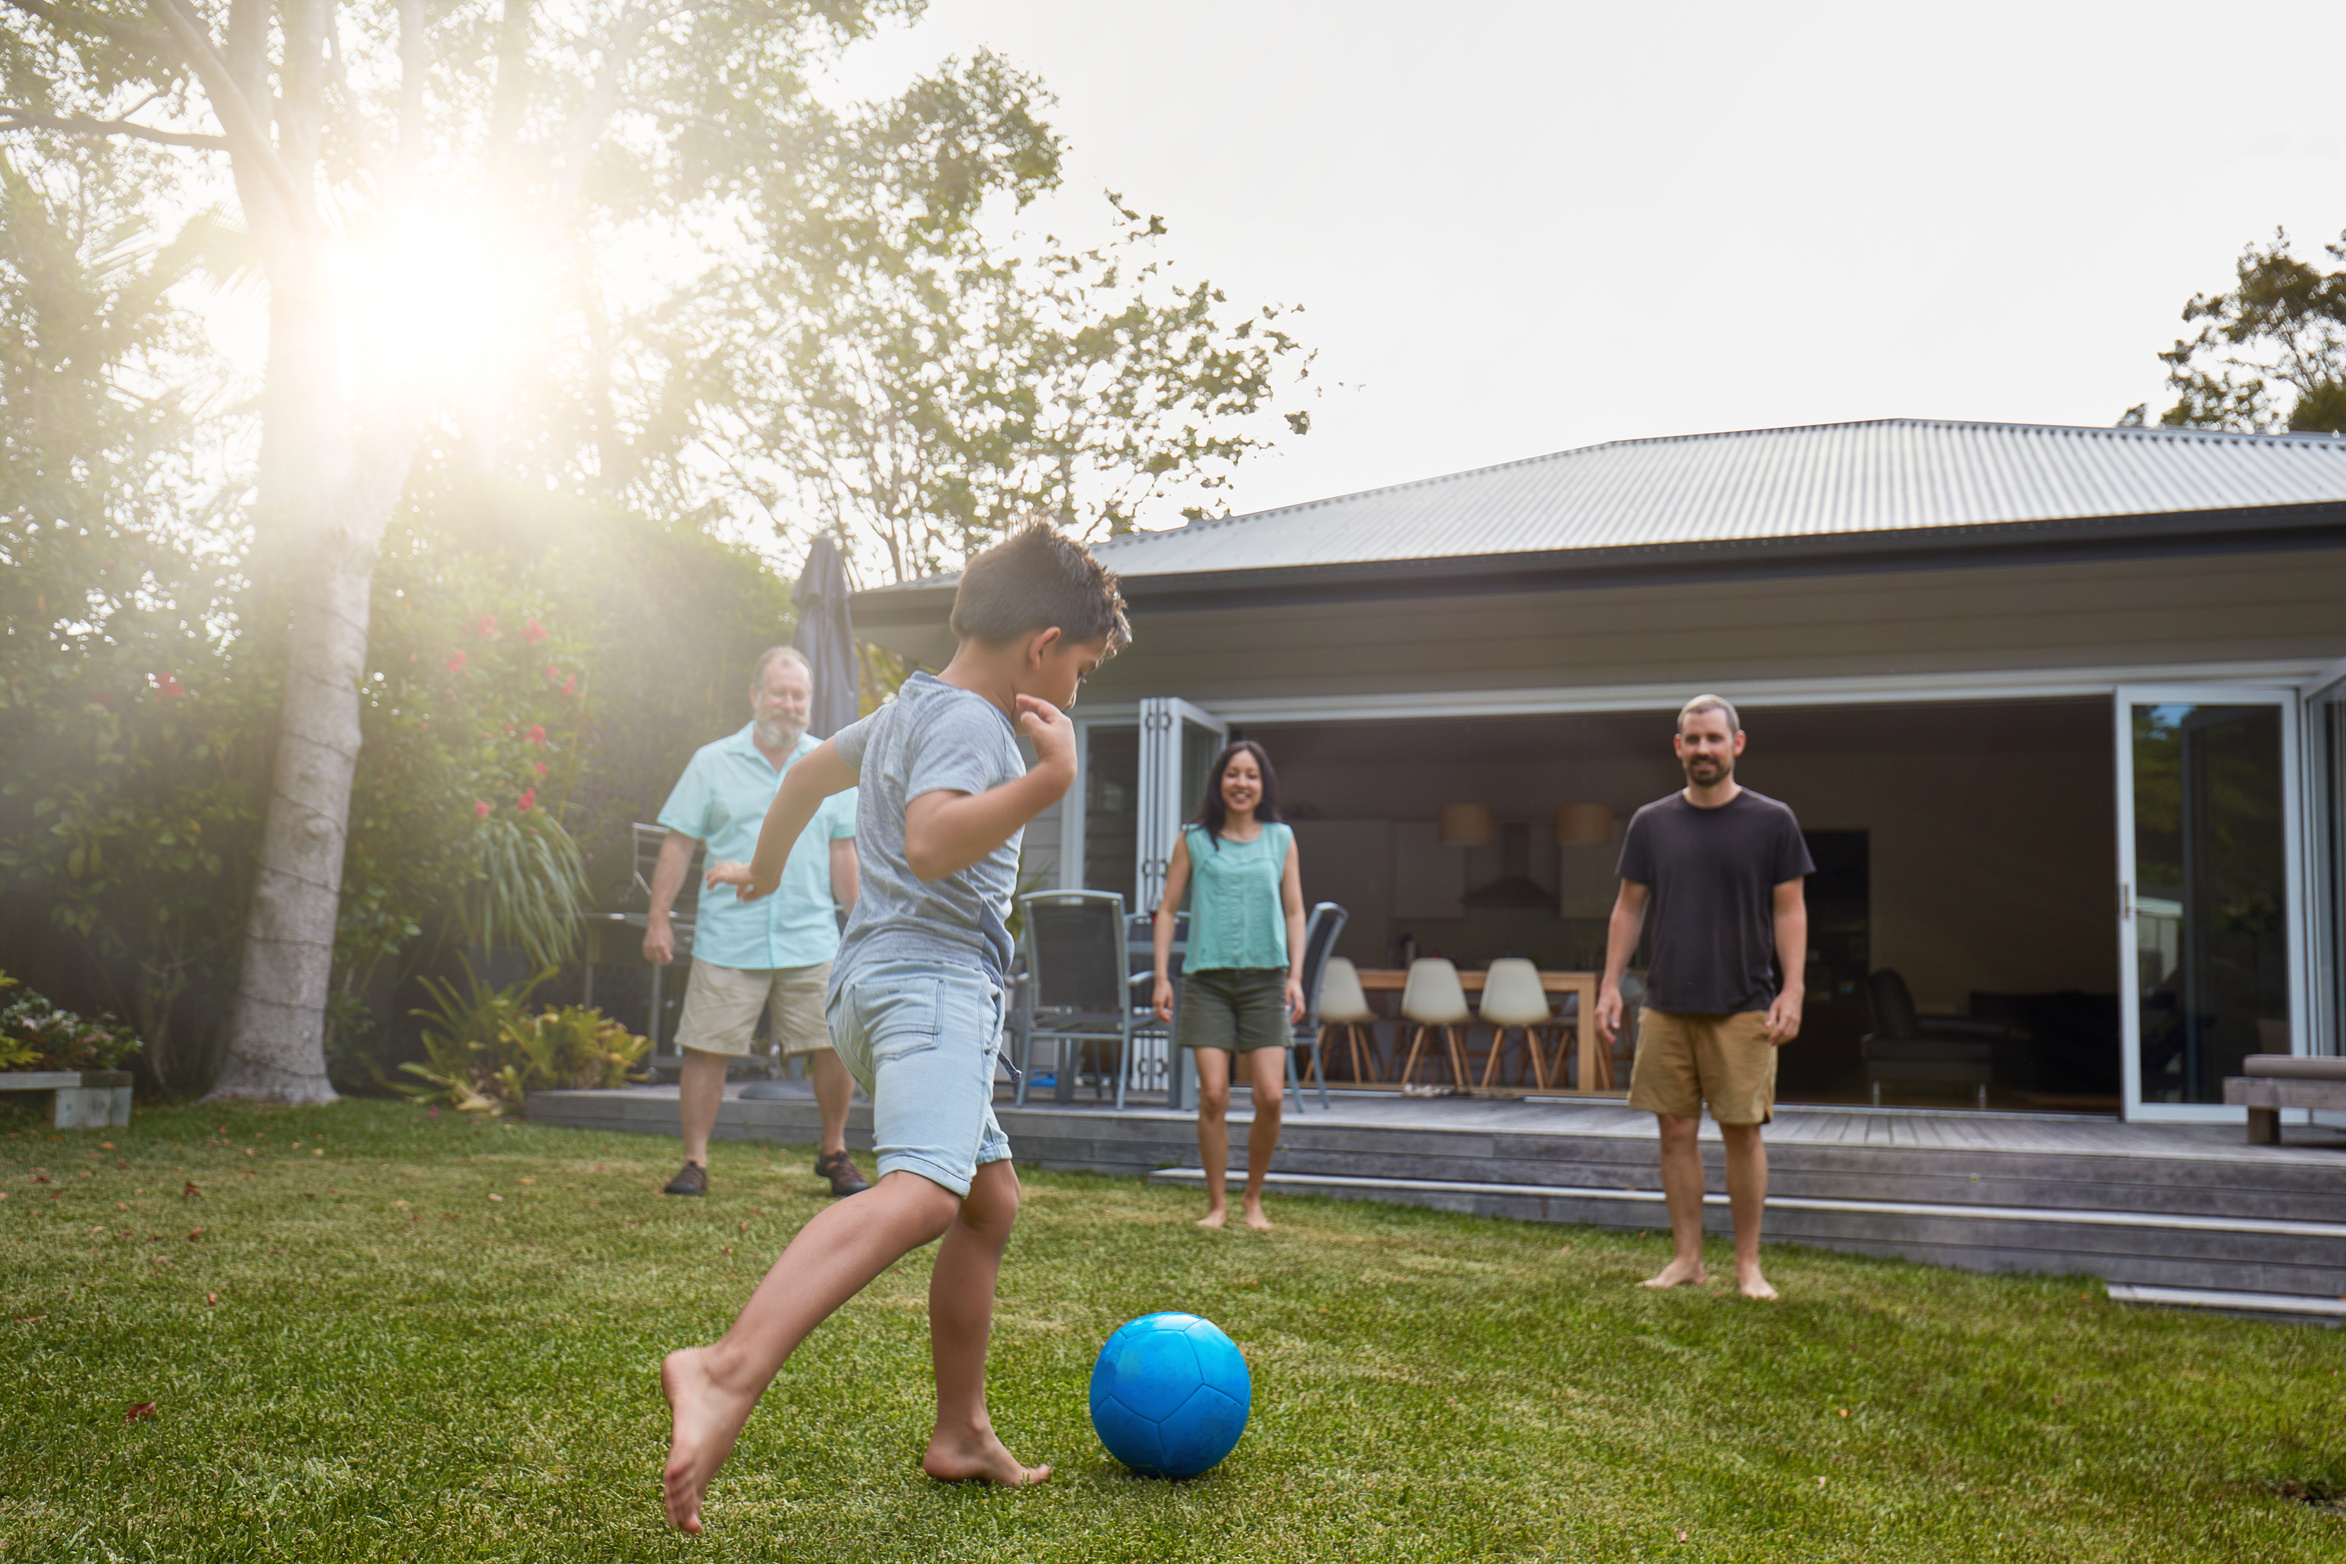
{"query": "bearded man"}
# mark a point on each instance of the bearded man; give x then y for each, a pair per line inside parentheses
(1724, 869)
(773, 954)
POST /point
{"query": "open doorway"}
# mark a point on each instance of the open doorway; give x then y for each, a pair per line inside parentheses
(1968, 847)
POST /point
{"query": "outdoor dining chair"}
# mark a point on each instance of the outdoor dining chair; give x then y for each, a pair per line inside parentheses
(1514, 1002)
(1344, 1006)
(1433, 1000)
(1080, 971)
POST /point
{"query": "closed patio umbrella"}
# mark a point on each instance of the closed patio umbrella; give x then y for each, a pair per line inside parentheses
(827, 637)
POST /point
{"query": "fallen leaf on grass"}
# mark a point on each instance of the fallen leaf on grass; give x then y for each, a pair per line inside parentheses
(745, 1227)
(498, 1199)
(40, 1175)
(194, 1233)
(248, 1151)
(139, 1410)
(1682, 1536)
(1844, 1411)
(317, 1151)
(105, 1145)
(191, 1192)
(211, 1300)
(529, 1181)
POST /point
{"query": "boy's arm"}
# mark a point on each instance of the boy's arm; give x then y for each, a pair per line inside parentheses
(945, 831)
(804, 787)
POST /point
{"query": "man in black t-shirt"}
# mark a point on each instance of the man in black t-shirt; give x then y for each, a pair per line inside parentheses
(1722, 868)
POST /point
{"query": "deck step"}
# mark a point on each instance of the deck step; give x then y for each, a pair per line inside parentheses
(2145, 1248)
(2327, 1310)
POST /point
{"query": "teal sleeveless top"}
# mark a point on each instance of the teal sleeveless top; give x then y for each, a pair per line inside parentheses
(1236, 919)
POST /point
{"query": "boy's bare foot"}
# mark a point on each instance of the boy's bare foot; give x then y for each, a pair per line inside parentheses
(1218, 1217)
(976, 1455)
(706, 1421)
(1678, 1273)
(1255, 1218)
(1753, 1285)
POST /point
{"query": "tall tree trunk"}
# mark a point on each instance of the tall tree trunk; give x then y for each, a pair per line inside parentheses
(314, 504)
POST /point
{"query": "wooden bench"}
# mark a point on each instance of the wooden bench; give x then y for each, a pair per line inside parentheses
(85, 1099)
(2276, 1081)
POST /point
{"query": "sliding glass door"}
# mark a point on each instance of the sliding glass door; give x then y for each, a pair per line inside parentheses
(2208, 869)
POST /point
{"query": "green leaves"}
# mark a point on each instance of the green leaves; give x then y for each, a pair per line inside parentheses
(2270, 354)
(487, 1050)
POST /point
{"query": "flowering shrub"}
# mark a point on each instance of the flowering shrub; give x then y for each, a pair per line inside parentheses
(36, 1035)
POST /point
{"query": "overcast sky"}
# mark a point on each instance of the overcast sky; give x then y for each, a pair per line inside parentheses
(1518, 228)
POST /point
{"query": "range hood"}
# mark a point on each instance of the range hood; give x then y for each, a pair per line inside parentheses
(1514, 889)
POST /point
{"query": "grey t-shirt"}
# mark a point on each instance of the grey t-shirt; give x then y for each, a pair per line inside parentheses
(1714, 874)
(933, 737)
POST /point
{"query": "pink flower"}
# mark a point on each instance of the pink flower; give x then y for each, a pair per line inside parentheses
(105, 699)
(552, 673)
(536, 734)
(527, 801)
(539, 768)
(480, 809)
(488, 627)
(570, 685)
(456, 662)
(508, 730)
(532, 631)
(169, 688)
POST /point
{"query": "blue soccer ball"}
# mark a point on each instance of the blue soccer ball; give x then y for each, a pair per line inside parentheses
(1170, 1395)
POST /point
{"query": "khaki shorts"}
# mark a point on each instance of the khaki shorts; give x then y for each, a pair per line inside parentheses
(1684, 1061)
(721, 1006)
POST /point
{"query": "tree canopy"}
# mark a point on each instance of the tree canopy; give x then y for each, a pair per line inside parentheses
(622, 251)
(2269, 353)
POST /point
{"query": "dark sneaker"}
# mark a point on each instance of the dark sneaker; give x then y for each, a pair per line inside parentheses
(693, 1180)
(840, 1169)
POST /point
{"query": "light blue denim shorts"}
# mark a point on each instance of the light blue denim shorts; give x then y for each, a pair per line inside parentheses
(921, 1037)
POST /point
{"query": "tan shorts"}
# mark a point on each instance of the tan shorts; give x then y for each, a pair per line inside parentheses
(721, 1006)
(1684, 1061)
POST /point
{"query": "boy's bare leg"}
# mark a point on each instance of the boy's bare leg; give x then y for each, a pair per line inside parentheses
(700, 1087)
(1682, 1188)
(1267, 1073)
(1213, 1131)
(961, 1318)
(1747, 1198)
(711, 1390)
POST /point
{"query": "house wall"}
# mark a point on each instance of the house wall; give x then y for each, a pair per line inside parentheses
(2208, 608)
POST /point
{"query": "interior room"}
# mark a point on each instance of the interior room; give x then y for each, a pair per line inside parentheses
(1967, 847)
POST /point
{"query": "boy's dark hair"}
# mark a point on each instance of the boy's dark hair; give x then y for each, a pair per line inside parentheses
(1039, 579)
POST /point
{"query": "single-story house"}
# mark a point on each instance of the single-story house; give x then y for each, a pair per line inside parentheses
(2062, 710)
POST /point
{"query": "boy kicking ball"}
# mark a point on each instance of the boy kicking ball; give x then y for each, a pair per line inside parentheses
(916, 1001)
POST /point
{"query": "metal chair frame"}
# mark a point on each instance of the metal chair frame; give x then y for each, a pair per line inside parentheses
(1101, 1007)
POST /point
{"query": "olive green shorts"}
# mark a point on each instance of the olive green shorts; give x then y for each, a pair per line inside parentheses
(1235, 1009)
(1684, 1061)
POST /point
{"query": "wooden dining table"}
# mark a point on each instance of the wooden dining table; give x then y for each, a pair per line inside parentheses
(1392, 980)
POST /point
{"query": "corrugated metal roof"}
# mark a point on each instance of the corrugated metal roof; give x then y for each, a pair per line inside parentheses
(1886, 476)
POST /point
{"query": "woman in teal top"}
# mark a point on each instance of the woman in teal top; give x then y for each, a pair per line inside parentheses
(1242, 979)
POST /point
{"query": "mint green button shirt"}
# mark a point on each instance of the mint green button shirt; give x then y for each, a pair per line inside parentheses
(721, 801)
(1237, 918)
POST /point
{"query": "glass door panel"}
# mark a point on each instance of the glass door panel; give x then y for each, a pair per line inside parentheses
(2208, 898)
(2325, 732)
(1111, 807)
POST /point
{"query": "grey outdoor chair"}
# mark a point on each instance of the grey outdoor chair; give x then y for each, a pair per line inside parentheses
(1319, 941)
(1079, 974)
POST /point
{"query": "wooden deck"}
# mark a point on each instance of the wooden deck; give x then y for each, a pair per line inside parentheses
(2174, 1207)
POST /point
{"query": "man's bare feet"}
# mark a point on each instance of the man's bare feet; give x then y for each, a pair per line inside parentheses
(976, 1455)
(1751, 1284)
(1255, 1218)
(1219, 1216)
(706, 1421)
(1678, 1273)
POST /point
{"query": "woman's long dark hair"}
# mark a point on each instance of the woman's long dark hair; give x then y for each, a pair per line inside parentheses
(1213, 812)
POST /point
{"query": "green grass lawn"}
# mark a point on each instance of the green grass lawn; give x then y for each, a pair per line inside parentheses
(373, 1335)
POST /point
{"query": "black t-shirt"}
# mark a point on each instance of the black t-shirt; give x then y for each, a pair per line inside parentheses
(1713, 873)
